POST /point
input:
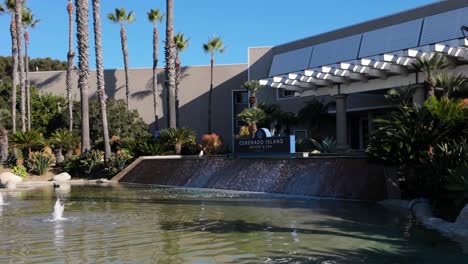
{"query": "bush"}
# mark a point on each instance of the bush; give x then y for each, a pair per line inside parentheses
(115, 164)
(244, 132)
(39, 162)
(84, 165)
(19, 170)
(211, 143)
(145, 146)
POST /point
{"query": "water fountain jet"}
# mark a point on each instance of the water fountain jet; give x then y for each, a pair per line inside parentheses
(58, 210)
(1, 199)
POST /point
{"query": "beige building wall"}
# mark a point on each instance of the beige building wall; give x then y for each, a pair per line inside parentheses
(194, 89)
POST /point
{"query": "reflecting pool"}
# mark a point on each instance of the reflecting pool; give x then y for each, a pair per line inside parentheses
(123, 224)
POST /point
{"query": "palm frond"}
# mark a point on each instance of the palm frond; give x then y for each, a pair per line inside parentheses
(252, 86)
(451, 83)
(181, 42)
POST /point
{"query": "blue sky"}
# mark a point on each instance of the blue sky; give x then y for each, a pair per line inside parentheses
(241, 23)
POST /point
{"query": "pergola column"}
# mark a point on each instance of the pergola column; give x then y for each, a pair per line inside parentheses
(419, 96)
(341, 123)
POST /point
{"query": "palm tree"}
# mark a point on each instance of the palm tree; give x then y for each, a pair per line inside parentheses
(181, 43)
(18, 25)
(82, 9)
(430, 67)
(452, 84)
(26, 141)
(170, 54)
(252, 116)
(155, 16)
(28, 22)
(214, 45)
(253, 87)
(177, 137)
(4, 116)
(10, 7)
(101, 91)
(70, 57)
(120, 17)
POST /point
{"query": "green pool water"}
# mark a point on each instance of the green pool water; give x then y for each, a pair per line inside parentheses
(123, 224)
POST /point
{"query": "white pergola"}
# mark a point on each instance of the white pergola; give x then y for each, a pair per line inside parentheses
(309, 82)
(340, 79)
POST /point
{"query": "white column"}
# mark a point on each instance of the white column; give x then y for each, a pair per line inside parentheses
(341, 123)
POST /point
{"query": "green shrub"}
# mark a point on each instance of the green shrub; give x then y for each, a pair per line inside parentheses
(27, 141)
(40, 162)
(91, 162)
(144, 146)
(19, 170)
(114, 165)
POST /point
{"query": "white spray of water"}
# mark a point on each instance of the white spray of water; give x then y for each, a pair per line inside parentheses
(1, 199)
(58, 210)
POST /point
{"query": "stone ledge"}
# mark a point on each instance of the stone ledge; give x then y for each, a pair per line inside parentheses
(422, 210)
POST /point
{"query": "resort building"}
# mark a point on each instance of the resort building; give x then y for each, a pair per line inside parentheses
(352, 68)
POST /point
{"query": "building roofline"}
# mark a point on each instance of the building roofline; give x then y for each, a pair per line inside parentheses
(149, 68)
(382, 22)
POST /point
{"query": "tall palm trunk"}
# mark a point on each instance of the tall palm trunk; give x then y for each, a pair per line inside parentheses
(170, 63)
(155, 76)
(123, 37)
(430, 86)
(210, 96)
(19, 43)
(28, 87)
(82, 7)
(14, 54)
(178, 77)
(100, 77)
(3, 145)
(70, 57)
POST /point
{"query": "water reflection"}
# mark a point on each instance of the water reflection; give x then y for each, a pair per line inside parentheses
(140, 225)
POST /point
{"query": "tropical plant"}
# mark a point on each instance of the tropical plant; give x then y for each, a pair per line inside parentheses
(101, 89)
(155, 16)
(252, 116)
(446, 110)
(91, 162)
(40, 162)
(121, 17)
(244, 132)
(177, 138)
(214, 45)
(70, 57)
(19, 170)
(19, 43)
(63, 139)
(27, 141)
(171, 73)
(28, 22)
(211, 143)
(142, 146)
(252, 87)
(327, 145)
(430, 67)
(181, 43)
(82, 7)
(114, 165)
(401, 96)
(452, 84)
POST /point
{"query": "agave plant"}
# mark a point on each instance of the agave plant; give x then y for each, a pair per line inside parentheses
(327, 145)
(252, 116)
(177, 137)
(40, 162)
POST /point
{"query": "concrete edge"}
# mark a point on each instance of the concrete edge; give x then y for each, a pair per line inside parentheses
(422, 211)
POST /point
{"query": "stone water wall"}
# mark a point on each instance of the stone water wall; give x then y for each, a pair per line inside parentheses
(337, 177)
